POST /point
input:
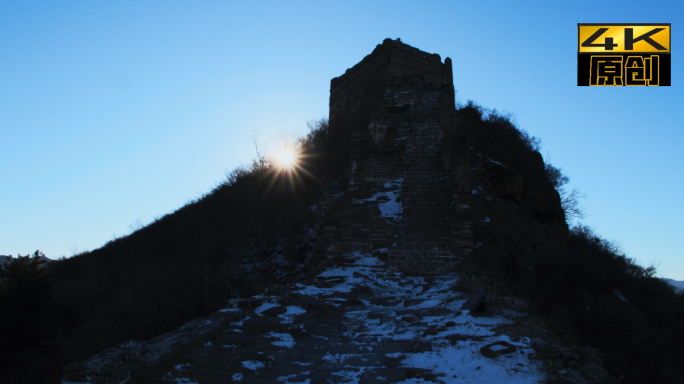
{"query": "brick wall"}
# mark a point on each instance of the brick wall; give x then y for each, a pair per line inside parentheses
(407, 152)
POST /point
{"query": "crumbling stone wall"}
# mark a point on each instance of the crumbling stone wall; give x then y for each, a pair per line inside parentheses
(397, 109)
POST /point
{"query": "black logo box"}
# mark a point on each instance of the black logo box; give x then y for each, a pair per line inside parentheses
(584, 66)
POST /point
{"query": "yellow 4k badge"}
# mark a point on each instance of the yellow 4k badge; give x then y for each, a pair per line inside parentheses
(623, 54)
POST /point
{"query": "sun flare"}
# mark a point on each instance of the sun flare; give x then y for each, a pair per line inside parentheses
(286, 158)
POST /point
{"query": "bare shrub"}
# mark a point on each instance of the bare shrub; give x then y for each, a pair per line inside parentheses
(570, 200)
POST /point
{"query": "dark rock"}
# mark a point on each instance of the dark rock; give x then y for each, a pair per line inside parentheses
(323, 284)
(419, 347)
(229, 316)
(275, 311)
(526, 217)
(245, 303)
(513, 304)
(591, 366)
(375, 315)
(385, 302)
(114, 365)
(362, 290)
(511, 187)
(431, 332)
(491, 352)
(412, 302)
(409, 318)
(263, 324)
(305, 315)
(477, 302)
(353, 303)
(454, 339)
(331, 278)
(382, 256)
(239, 339)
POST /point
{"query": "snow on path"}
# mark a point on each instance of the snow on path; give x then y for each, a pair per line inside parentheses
(452, 362)
(388, 328)
(457, 363)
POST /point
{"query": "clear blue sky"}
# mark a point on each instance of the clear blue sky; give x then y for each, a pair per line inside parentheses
(112, 112)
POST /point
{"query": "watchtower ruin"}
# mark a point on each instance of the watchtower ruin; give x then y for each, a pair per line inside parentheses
(409, 187)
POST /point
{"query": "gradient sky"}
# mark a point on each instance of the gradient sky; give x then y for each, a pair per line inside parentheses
(113, 112)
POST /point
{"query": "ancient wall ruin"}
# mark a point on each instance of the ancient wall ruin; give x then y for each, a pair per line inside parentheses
(409, 186)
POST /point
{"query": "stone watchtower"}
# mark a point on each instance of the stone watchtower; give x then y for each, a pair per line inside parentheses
(409, 187)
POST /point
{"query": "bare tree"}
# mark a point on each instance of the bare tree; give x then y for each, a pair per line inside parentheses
(136, 225)
(570, 201)
(571, 205)
(260, 156)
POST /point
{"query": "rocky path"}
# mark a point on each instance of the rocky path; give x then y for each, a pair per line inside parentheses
(359, 323)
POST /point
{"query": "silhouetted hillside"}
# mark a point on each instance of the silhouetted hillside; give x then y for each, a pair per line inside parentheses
(245, 235)
(253, 232)
(582, 284)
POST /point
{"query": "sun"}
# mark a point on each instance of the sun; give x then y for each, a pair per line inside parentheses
(286, 159)
(287, 166)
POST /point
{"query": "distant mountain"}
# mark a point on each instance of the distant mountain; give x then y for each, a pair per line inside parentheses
(678, 285)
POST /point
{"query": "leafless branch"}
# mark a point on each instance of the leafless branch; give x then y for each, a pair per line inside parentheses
(571, 205)
(260, 157)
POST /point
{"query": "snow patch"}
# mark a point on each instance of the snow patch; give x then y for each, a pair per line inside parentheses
(229, 310)
(285, 341)
(264, 306)
(292, 311)
(184, 381)
(252, 364)
(391, 208)
(464, 363)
